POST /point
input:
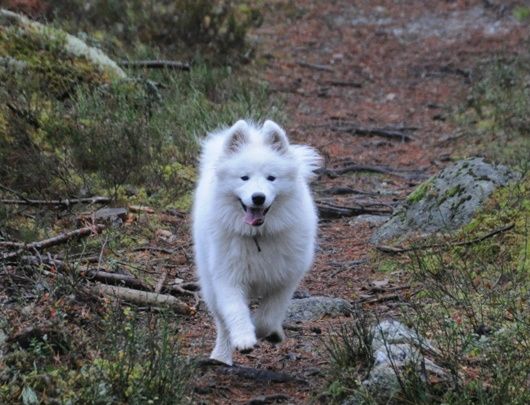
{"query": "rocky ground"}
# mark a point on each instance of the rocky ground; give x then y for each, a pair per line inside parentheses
(371, 85)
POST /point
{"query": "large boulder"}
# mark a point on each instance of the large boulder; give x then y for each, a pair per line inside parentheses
(447, 200)
(24, 42)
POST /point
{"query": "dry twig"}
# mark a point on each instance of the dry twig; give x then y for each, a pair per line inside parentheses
(315, 66)
(330, 211)
(144, 298)
(156, 64)
(399, 249)
(46, 243)
(59, 203)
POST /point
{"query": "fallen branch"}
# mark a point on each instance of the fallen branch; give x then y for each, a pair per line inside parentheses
(399, 249)
(46, 243)
(353, 168)
(141, 208)
(62, 203)
(95, 274)
(186, 289)
(315, 66)
(269, 399)
(5, 188)
(379, 299)
(144, 298)
(161, 282)
(154, 249)
(345, 190)
(114, 279)
(343, 83)
(331, 211)
(389, 133)
(156, 64)
(249, 372)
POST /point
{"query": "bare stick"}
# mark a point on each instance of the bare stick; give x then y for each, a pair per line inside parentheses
(345, 190)
(382, 132)
(161, 282)
(315, 66)
(250, 373)
(329, 211)
(115, 278)
(5, 188)
(180, 289)
(144, 298)
(46, 243)
(141, 208)
(352, 168)
(398, 249)
(343, 83)
(59, 203)
(156, 64)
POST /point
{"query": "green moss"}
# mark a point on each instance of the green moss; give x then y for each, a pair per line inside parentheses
(421, 192)
(522, 13)
(388, 266)
(47, 62)
(451, 192)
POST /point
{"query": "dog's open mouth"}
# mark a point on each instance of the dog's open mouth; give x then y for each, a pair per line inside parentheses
(254, 216)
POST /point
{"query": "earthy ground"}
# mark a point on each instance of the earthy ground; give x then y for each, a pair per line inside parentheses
(400, 66)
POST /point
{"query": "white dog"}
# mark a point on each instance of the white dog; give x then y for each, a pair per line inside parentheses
(254, 229)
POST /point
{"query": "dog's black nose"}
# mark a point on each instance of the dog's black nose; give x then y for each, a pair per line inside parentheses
(258, 198)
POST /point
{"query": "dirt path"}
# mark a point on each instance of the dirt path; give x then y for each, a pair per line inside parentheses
(360, 65)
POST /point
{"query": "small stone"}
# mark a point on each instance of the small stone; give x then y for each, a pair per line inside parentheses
(390, 332)
(112, 216)
(316, 307)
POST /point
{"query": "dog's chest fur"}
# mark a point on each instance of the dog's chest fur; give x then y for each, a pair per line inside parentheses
(264, 262)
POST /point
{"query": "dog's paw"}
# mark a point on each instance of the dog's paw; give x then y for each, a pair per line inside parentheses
(244, 343)
(221, 358)
(276, 336)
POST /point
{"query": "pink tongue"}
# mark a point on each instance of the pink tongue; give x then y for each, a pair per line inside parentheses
(254, 216)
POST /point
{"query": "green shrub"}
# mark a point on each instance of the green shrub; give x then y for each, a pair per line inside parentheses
(211, 30)
(497, 115)
(134, 359)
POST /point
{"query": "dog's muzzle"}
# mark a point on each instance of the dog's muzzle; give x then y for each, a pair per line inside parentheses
(254, 216)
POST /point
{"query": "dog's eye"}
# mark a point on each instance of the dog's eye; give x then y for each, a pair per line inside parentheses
(244, 178)
(271, 178)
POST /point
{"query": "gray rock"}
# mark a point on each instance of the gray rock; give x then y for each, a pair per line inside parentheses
(72, 45)
(369, 219)
(396, 347)
(391, 332)
(316, 307)
(447, 200)
(112, 216)
(397, 355)
(382, 383)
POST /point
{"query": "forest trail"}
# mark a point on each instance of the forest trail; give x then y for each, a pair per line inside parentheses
(370, 84)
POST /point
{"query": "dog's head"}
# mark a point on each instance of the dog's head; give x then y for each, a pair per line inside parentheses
(257, 170)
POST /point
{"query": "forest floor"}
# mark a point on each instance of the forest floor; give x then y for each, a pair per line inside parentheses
(371, 85)
(341, 66)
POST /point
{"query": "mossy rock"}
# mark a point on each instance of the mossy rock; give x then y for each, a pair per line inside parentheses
(447, 200)
(59, 60)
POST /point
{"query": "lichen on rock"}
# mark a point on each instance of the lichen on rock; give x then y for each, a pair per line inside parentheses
(447, 200)
(50, 40)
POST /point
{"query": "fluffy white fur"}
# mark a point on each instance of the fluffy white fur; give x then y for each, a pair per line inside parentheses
(237, 163)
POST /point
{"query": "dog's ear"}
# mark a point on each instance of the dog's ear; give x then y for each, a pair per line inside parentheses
(275, 136)
(238, 136)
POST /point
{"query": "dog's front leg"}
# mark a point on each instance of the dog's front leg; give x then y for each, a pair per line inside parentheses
(233, 307)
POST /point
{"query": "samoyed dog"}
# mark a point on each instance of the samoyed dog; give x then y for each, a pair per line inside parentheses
(254, 229)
